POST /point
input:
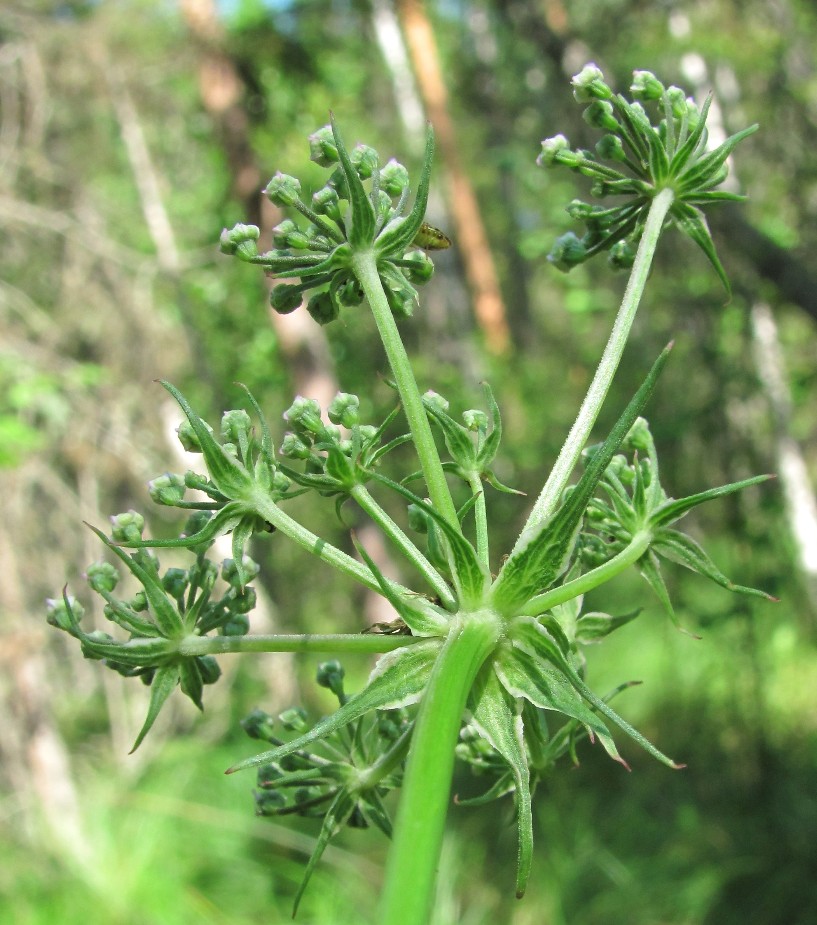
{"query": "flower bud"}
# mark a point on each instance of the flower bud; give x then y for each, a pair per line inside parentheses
(239, 239)
(167, 489)
(281, 231)
(209, 668)
(646, 86)
(258, 725)
(235, 425)
(344, 409)
(421, 267)
(57, 613)
(610, 148)
(196, 523)
(293, 447)
(327, 202)
(102, 577)
(417, 519)
(475, 420)
(293, 719)
(365, 160)
(567, 252)
(229, 572)
(589, 85)
(349, 293)
(175, 582)
(435, 400)
(551, 147)
(239, 623)
(330, 675)
(187, 436)
(599, 114)
(304, 415)
(621, 256)
(269, 802)
(367, 433)
(285, 298)
(638, 437)
(323, 308)
(283, 190)
(394, 178)
(322, 147)
(127, 527)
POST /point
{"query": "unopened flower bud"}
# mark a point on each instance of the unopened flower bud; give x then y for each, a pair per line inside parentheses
(344, 409)
(235, 425)
(229, 571)
(367, 432)
(421, 267)
(239, 239)
(435, 400)
(322, 147)
(349, 293)
(102, 577)
(239, 623)
(599, 114)
(304, 415)
(57, 612)
(621, 256)
(209, 668)
(589, 84)
(285, 298)
(646, 86)
(551, 147)
(127, 526)
(258, 725)
(167, 489)
(327, 202)
(175, 582)
(323, 308)
(281, 231)
(567, 252)
(283, 190)
(330, 675)
(475, 420)
(293, 447)
(188, 438)
(364, 160)
(610, 148)
(394, 178)
(293, 719)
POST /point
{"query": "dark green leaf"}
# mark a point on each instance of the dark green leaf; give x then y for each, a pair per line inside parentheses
(164, 680)
(361, 233)
(673, 510)
(693, 223)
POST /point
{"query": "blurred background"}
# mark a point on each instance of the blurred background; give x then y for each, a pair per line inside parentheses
(130, 134)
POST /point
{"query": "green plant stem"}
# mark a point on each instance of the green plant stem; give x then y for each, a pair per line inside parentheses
(358, 643)
(361, 494)
(387, 762)
(365, 268)
(628, 556)
(548, 500)
(480, 520)
(411, 869)
(330, 554)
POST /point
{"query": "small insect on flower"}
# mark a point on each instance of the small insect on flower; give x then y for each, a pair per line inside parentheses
(431, 238)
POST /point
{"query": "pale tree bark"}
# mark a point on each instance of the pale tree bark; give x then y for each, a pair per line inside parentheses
(472, 240)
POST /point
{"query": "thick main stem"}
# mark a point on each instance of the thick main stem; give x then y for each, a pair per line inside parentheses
(365, 266)
(411, 869)
(580, 432)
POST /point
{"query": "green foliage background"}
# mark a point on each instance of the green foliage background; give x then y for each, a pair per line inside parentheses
(91, 314)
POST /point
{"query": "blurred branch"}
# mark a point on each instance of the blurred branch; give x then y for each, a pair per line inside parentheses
(474, 248)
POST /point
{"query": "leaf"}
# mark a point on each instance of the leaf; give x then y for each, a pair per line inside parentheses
(423, 619)
(164, 612)
(469, 574)
(547, 552)
(395, 681)
(650, 569)
(361, 234)
(693, 223)
(677, 547)
(400, 233)
(499, 723)
(543, 684)
(164, 680)
(191, 681)
(336, 817)
(457, 438)
(228, 475)
(532, 637)
(223, 522)
(673, 510)
(687, 148)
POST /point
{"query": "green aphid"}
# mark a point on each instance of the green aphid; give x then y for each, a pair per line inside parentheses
(431, 238)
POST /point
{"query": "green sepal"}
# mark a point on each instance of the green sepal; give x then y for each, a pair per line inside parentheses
(530, 636)
(422, 618)
(164, 681)
(495, 716)
(548, 550)
(361, 233)
(336, 816)
(399, 234)
(469, 573)
(650, 570)
(680, 548)
(191, 681)
(228, 475)
(168, 619)
(693, 223)
(532, 669)
(673, 510)
(398, 679)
